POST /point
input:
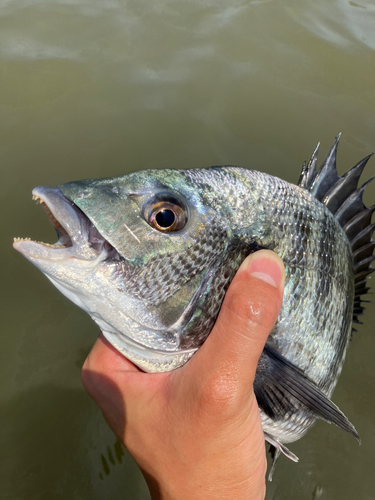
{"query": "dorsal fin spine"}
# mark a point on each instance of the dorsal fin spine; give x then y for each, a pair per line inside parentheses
(343, 198)
(359, 222)
(309, 171)
(344, 186)
(352, 205)
(327, 175)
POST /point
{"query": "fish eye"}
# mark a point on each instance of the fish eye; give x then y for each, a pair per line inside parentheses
(165, 218)
(166, 215)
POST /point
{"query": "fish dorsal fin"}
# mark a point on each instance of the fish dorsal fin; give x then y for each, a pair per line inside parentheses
(280, 387)
(327, 175)
(343, 198)
(309, 171)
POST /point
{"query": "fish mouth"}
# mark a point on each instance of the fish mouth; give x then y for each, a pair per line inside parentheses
(78, 238)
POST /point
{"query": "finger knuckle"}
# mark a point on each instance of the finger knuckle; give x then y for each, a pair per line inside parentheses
(219, 395)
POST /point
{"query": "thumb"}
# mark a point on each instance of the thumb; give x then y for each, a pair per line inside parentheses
(248, 314)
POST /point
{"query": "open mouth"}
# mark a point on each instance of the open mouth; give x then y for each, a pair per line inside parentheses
(77, 235)
(64, 239)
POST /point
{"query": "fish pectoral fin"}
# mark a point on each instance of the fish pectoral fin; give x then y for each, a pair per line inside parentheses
(280, 386)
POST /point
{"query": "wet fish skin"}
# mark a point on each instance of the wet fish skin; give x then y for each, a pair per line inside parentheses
(156, 295)
(288, 221)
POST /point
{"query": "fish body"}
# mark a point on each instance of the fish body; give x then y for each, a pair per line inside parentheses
(150, 255)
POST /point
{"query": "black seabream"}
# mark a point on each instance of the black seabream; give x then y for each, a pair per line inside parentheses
(150, 255)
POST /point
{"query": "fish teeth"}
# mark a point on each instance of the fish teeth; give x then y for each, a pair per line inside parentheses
(37, 199)
(17, 240)
(50, 245)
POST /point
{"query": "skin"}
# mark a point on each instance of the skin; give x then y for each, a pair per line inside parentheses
(196, 432)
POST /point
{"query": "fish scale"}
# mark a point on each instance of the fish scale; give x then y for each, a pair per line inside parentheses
(330, 261)
(163, 275)
(155, 291)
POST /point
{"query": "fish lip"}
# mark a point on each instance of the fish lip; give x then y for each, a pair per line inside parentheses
(75, 231)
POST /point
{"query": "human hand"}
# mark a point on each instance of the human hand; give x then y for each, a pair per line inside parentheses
(196, 432)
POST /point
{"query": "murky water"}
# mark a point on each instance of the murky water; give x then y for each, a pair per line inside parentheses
(93, 88)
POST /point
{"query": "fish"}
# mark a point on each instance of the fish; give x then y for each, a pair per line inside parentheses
(150, 255)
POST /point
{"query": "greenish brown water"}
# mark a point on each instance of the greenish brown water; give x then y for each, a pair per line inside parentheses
(93, 88)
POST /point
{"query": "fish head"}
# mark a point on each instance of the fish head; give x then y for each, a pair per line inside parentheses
(147, 255)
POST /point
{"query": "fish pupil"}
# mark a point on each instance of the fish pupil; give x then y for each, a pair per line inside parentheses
(165, 218)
